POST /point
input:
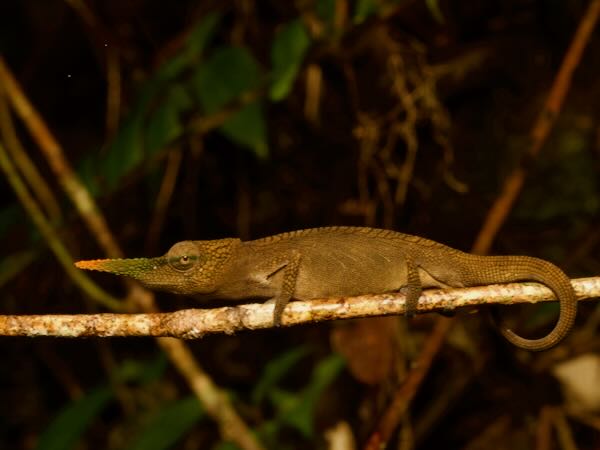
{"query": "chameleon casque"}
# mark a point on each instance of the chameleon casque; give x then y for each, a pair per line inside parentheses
(337, 261)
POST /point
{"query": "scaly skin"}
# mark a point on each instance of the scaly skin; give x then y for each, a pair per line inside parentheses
(337, 261)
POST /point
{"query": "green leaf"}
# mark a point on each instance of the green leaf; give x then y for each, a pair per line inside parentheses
(87, 169)
(125, 153)
(142, 372)
(363, 10)
(12, 265)
(325, 9)
(297, 410)
(193, 48)
(169, 425)
(287, 54)
(275, 370)
(147, 130)
(226, 445)
(70, 424)
(542, 314)
(164, 124)
(230, 72)
(269, 431)
(127, 149)
(301, 417)
(247, 128)
(9, 216)
(67, 428)
(163, 127)
(202, 34)
(284, 401)
(550, 198)
(172, 68)
(154, 369)
(435, 10)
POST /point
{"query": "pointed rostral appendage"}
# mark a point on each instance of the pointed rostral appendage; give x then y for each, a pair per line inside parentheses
(148, 271)
(189, 267)
(134, 267)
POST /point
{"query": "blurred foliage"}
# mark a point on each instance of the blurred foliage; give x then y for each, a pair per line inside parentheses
(169, 425)
(170, 422)
(291, 115)
(287, 54)
(229, 73)
(70, 424)
(569, 160)
(275, 370)
(297, 409)
(156, 118)
(294, 409)
(72, 421)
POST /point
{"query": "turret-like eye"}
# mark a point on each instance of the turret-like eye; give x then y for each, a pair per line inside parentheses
(183, 255)
(184, 262)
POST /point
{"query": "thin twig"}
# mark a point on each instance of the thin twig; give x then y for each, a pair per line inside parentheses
(32, 176)
(514, 182)
(564, 432)
(195, 323)
(108, 57)
(83, 10)
(501, 208)
(543, 432)
(167, 187)
(236, 429)
(54, 242)
(215, 400)
(113, 90)
(55, 156)
(409, 388)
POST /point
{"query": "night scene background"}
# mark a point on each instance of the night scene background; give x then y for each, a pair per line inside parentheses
(153, 122)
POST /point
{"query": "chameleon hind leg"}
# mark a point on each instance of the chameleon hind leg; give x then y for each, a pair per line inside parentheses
(413, 288)
(290, 263)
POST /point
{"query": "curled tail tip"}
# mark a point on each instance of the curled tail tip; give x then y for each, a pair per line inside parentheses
(562, 328)
(560, 331)
(534, 345)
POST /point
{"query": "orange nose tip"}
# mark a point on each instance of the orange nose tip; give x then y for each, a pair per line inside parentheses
(90, 264)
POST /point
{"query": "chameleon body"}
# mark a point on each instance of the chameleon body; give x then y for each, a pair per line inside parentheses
(337, 261)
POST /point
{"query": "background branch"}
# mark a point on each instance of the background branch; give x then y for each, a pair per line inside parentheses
(60, 251)
(230, 423)
(547, 116)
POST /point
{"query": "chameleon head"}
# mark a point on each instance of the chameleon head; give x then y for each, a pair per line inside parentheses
(189, 267)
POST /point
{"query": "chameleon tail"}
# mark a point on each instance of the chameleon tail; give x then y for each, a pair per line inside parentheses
(523, 268)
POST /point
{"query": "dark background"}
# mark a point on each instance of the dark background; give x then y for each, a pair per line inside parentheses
(453, 86)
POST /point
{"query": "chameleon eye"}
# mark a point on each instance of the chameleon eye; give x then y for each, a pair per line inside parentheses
(184, 262)
(183, 255)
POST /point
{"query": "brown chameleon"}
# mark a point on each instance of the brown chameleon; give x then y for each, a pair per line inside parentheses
(337, 261)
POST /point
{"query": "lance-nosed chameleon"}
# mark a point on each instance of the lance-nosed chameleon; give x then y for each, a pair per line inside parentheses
(337, 261)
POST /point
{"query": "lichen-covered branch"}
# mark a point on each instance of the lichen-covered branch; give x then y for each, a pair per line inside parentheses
(194, 323)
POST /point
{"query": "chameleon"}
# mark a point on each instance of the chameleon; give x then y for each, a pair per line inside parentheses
(336, 262)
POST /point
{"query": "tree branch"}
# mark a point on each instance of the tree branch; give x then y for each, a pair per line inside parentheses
(195, 323)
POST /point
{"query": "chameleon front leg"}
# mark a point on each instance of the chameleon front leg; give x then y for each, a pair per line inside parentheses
(289, 263)
(413, 288)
